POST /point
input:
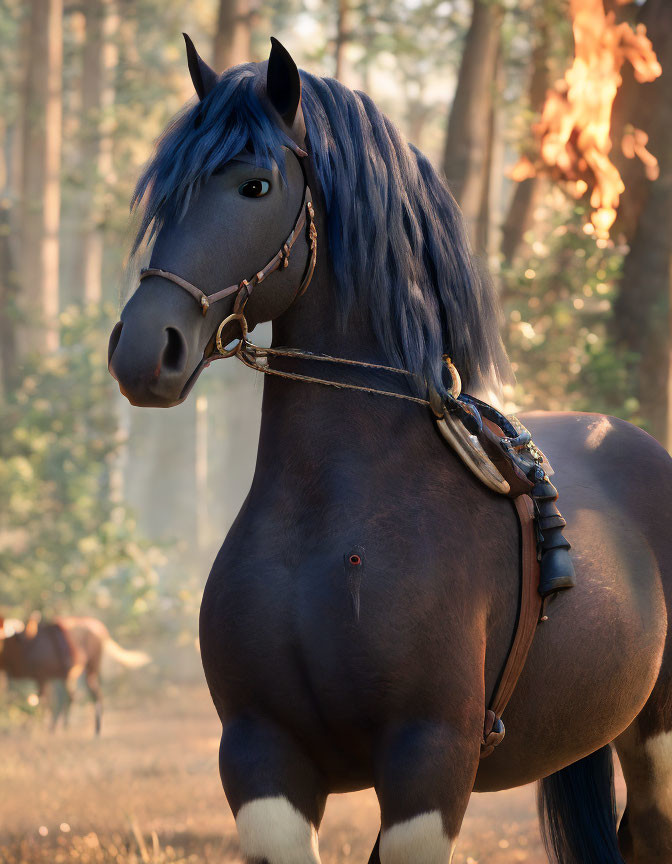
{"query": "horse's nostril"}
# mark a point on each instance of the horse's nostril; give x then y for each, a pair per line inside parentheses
(174, 357)
(115, 336)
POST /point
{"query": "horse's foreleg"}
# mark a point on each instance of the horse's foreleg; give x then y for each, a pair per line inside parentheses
(59, 702)
(275, 793)
(424, 777)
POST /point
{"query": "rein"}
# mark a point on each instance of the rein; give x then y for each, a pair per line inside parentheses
(256, 358)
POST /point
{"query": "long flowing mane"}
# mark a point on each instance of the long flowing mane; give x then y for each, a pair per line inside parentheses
(396, 237)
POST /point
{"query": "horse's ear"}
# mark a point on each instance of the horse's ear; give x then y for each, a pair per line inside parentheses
(31, 626)
(203, 77)
(283, 86)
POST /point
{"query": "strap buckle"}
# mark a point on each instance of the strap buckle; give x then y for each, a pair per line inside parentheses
(243, 295)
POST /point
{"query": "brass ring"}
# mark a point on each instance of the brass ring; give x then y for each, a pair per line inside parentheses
(236, 316)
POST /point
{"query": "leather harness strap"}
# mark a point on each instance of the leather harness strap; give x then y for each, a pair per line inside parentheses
(246, 286)
(529, 609)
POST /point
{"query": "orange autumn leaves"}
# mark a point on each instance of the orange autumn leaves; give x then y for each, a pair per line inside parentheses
(574, 132)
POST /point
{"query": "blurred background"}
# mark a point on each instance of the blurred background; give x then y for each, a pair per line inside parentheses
(552, 123)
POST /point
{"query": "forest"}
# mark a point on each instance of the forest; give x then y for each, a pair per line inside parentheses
(551, 121)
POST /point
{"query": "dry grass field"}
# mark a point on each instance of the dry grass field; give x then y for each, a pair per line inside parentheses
(148, 792)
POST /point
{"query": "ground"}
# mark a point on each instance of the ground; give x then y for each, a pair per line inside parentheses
(148, 792)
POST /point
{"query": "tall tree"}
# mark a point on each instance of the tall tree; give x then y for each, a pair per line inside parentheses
(466, 155)
(234, 34)
(41, 193)
(343, 35)
(100, 60)
(642, 322)
(528, 192)
(8, 296)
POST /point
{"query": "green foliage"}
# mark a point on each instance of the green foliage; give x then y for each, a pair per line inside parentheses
(559, 306)
(64, 541)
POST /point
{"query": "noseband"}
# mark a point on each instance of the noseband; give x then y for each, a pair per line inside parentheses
(243, 289)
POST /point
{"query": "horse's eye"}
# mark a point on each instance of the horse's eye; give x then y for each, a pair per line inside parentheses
(254, 188)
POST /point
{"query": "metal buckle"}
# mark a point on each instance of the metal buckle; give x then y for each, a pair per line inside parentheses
(236, 316)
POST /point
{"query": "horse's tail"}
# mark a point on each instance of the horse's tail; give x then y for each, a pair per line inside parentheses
(130, 659)
(577, 812)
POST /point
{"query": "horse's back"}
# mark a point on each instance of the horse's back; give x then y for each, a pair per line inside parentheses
(87, 636)
(599, 457)
(602, 646)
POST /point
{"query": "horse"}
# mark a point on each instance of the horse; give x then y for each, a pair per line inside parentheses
(62, 651)
(359, 612)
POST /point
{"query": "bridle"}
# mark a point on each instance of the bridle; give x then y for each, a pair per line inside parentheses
(243, 289)
(255, 357)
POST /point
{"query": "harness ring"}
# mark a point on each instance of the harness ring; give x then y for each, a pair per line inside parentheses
(236, 316)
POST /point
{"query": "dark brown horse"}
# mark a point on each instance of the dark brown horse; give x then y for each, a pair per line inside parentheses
(359, 613)
(62, 651)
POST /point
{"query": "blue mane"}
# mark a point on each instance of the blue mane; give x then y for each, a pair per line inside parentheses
(395, 233)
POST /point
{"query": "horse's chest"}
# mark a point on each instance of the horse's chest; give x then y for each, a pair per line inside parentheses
(329, 640)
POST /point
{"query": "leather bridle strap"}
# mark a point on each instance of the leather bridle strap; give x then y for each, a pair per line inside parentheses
(244, 288)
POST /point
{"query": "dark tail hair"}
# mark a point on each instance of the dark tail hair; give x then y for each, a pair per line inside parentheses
(577, 812)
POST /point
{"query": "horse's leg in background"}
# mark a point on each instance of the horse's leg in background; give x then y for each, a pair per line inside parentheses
(645, 752)
(424, 776)
(70, 689)
(61, 698)
(48, 699)
(275, 793)
(93, 686)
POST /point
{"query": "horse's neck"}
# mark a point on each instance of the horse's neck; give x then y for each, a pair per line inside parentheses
(313, 322)
(308, 421)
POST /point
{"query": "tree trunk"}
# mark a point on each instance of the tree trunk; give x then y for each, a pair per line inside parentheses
(527, 193)
(343, 25)
(8, 298)
(466, 154)
(641, 320)
(41, 192)
(100, 61)
(484, 236)
(233, 36)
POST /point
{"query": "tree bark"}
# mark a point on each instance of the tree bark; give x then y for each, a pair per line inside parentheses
(466, 153)
(641, 321)
(8, 298)
(100, 61)
(527, 193)
(41, 192)
(234, 34)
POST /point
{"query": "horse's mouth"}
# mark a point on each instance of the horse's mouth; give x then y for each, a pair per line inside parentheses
(154, 390)
(210, 354)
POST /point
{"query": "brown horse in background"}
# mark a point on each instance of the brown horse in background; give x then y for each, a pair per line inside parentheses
(62, 651)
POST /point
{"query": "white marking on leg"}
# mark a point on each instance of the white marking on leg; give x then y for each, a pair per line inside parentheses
(273, 829)
(420, 840)
(659, 753)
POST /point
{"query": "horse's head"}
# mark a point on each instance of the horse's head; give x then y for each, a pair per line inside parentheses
(10, 631)
(241, 244)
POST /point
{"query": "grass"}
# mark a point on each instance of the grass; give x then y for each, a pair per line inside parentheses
(148, 792)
